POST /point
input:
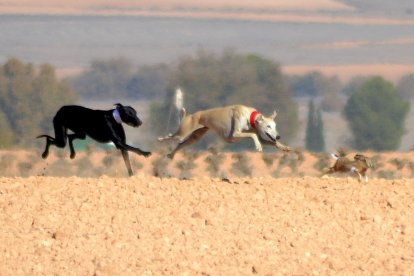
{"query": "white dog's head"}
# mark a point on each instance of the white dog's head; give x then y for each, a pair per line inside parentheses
(266, 127)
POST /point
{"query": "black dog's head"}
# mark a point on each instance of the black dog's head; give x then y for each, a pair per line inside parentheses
(128, 115)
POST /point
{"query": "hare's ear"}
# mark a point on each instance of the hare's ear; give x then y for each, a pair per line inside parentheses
(273, 116)
(118, 105)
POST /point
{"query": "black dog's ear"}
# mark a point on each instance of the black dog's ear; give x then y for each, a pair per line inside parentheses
(118, 105)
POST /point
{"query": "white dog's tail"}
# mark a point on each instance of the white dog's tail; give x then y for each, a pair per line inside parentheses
(179, 99)
(182, 114)
(335, 156)
(179, 103)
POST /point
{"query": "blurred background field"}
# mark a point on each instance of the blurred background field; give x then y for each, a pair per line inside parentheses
(95, 162)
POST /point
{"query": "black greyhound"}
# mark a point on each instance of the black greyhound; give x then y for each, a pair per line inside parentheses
(103, 126)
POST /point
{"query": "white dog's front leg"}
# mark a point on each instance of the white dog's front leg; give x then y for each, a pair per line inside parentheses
(282, 147)
(249, 135)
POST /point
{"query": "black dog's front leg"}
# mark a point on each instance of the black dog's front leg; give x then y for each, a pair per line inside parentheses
(124, 149)
(123, 146)
(118, 138)
(127, 162)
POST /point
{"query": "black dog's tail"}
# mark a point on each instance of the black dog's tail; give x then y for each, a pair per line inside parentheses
(44, 136)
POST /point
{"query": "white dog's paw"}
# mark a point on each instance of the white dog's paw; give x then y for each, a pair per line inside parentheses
(259, 148)
(282, 147)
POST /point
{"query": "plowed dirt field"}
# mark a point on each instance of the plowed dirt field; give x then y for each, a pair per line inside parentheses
(205, 226)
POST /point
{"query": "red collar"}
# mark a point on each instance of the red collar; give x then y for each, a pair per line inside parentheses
(252, 120)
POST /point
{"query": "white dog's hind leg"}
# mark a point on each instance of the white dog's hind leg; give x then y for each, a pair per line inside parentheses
(190, 139)
(168, 137)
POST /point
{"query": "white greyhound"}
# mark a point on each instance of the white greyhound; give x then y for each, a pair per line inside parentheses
(231, 123)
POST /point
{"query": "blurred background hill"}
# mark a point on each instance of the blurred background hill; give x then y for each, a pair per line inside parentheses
(325, 34)
(135, 52)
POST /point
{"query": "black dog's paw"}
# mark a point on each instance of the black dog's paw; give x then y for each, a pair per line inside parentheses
(45, 155)
(146, 153)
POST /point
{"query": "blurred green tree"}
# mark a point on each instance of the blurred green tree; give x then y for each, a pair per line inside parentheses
(149, 82)
(29, 97)
(6, 132)
(306, 85)
(405, 87)
(376, 115)
(353, 84)
(51, 94)
(119, 79)
(314, 140)
(210, 81)
(331, 89)
(315, 84)
(105, 78)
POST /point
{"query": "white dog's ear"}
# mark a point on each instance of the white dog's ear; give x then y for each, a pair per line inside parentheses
(273, 116)
(259, 118)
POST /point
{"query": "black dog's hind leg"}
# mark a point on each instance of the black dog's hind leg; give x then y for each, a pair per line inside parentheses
(72, 137)
(49, 140)
(59, 140)
(127, 162)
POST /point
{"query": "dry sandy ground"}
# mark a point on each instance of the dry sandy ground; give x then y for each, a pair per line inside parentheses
(151, 226)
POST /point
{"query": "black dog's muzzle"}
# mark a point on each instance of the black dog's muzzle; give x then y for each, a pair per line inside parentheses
(134, 123)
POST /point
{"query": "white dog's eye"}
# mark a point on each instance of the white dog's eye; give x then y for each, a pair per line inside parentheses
(268, 126)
